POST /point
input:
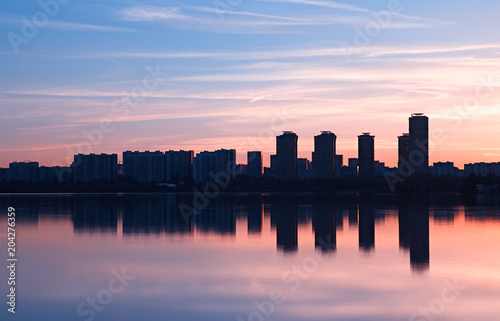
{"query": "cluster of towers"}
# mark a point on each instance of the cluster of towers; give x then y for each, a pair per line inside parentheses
(413, 150)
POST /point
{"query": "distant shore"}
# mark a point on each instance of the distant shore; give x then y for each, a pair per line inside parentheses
(411, 185)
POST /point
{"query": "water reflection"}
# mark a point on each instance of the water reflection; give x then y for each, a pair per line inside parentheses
(413, 221)
(160, 214)
(325, 226)
(366, 227)
(98, 215)
(419, 237)
(285, 212)
(215, 264)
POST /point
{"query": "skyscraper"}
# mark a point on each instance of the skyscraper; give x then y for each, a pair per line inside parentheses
(403, 152)
(286, 154)
(366, 155)
(324, 155)
(254, 163)
(419, 144)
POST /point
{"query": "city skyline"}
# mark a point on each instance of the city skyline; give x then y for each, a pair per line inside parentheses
(245, 71)
(250, 160)
(412, 156)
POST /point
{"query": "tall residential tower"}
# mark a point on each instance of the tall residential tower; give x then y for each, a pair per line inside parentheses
(286, 156)
(324, 155)
(419, 144)
(366, 155)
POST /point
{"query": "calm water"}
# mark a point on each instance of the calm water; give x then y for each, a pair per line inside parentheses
(253, 257)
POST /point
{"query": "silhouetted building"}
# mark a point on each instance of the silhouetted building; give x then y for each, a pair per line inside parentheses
(23, 171)
(273, 167)
(351, 170)
(286, 153)
(213, 166)
(353, 162)
(403, 153)
(226, 160)
(324, 155)
(339, 162)
(254, 164)
(178, 165)
(240, 169)
(88, 168)
(366, 155)
(203, 165)
(444, 169)
(4, 172)
(482, 169)
(380, 170)
(144, 167)
(55, 173)
(303, 171)
(419, 144)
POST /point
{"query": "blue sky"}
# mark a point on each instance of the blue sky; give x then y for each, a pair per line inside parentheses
(240, 72)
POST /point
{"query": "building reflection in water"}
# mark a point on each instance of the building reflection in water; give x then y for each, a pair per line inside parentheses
(99, 214)
(219, 217)
(284, 214)
(413, 221)
(325, 225)
(155, 214)
(352, 209)
(160, 213)
(419, 237)
(255, 212)
(404, 226)
(366, 227)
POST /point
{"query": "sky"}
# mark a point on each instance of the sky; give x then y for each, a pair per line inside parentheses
(105, 76)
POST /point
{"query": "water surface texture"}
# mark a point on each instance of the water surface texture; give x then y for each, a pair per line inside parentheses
(254, 257)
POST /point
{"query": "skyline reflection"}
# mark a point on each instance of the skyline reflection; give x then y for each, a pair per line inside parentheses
(348, 254)
(144, 214)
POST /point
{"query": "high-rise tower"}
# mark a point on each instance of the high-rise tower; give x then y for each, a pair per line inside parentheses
(366, 155)
(403, 152)
(324, 155)
(419, 144)
(286, 155)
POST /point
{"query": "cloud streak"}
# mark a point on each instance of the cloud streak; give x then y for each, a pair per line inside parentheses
(226, 21)
(67, 25)
(293, 53)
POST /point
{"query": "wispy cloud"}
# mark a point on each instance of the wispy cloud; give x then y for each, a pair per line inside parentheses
(149, 13)
(235, 21)
(66, 25)
(294, 53)
(328, 4)
(347, 7)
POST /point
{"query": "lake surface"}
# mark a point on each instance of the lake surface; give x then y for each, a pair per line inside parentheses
(253, 257)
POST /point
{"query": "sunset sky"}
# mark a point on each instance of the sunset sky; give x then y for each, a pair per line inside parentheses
(235, 73)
